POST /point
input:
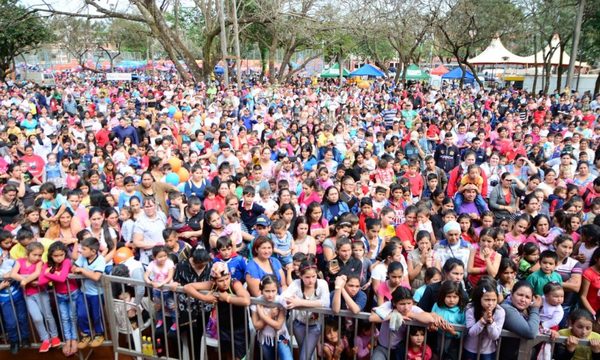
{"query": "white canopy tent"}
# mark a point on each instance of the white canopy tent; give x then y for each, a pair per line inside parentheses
(496, 53)
(555, 58)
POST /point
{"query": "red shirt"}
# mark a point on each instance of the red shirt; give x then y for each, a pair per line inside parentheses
(416, 183)
(593, 295)
(35, 164)
(102, 137)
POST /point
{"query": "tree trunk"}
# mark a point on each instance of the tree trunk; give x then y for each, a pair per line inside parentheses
(474, 72)
(272, 53)
(286, 61)
(340, 59)
(264, 55)
(221, 12)
(236, 44)
(208, 61)
(404, 70)
(397, 77)
(560, 70)
(575, 47)
(547, 75)
(535, 74)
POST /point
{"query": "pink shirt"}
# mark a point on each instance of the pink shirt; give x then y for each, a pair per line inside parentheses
(160, 274)
(59, 278)
(25, 269)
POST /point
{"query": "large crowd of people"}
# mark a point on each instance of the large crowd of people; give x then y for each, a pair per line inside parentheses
(444, 206)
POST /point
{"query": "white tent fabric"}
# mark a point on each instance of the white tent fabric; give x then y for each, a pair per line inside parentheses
(496, 53)
(555, 59)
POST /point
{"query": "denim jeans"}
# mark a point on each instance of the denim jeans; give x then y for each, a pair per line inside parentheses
(67, 307)
(40, 311)
(307, 339)
(284, 351)
(15, 320)
(88, 307)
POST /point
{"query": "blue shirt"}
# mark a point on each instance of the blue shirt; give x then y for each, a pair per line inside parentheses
(256, 272)
(89, 286)
(237, 267)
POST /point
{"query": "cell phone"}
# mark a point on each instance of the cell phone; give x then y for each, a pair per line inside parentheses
(334, 263)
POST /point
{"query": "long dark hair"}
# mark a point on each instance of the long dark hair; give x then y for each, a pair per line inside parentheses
(56, 246)
(207, 229)
(110, 242)
(482, 287)
(449, 287)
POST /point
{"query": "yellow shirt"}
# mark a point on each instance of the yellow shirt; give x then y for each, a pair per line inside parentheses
(18, 251)
(581, 352)
(389, 231)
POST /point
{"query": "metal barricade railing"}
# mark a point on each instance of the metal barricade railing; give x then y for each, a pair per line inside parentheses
(166, 324)
(16, 311)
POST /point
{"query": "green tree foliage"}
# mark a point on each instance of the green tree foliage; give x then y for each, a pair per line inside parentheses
(469, 24)
(22, 30)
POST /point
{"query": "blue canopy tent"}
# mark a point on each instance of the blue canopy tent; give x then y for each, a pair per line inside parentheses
(457, 74)
(367, 70)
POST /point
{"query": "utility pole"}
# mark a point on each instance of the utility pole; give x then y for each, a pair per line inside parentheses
(575, 48)
(221, 11)
(236, 45)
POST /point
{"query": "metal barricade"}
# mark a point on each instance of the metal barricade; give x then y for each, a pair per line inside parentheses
(18, 324)
(166, 324)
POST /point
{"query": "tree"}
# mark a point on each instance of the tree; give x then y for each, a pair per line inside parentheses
(79, 37)
(22, 30)
(470, 24)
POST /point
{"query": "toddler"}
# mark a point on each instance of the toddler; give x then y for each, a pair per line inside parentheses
(283, 242)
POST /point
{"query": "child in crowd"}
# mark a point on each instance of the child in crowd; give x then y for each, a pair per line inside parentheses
(393, 331)
(27, 271)
(283, 242)
(472, 177)
(484, 260)
(335, 344)
(67, 291)
(12, 302)
(528, 255)
(366, 333)
(379, 199)
(433, 275)
(424, 222)
(358, 252)
(507, 277)
(588, 243)
(54, 204)
(580, 327)
(395, 273)
(546, 273)
(127, 223)
(233, 227)
(450, 306)
(227, 254)
(484, 321)
(269, 322)
(417, 348)
(91, 266)
(176, 209)
(160, 272)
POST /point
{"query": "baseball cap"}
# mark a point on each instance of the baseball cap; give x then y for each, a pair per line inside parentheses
(263, 220)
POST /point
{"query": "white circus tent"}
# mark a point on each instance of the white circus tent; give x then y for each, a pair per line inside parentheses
(496, 53)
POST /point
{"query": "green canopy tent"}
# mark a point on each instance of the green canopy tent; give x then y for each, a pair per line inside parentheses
(334, 72)
(413, 72)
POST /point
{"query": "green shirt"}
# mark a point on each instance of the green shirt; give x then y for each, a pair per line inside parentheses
(538, 280)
